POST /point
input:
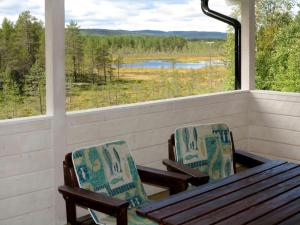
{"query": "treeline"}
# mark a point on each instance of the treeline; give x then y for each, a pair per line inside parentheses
(144, 43)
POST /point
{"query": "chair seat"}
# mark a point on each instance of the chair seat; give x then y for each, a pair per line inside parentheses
(133, 219)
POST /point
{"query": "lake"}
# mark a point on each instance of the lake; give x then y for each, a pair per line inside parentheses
(156, 64)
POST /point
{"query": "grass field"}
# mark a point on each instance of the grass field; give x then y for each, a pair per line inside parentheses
(140, 85)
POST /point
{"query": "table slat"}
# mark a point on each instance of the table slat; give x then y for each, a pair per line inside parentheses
(292, 220)
(280, 214)
(206, 197)
(240, 206)
(215, 204)
(262, 209)
(185, 195)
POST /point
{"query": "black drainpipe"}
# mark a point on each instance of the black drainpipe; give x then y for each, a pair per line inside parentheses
(238, 41)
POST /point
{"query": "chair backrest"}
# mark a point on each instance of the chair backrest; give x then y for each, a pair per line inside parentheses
(207, 148)
(108, 169)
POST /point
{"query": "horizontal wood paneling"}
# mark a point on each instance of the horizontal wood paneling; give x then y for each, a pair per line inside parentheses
(139, 140)
(24, 125)
(41, 217)
(275, 107)
(26, 171)
(25, 142)
(26, 203)
(100, 130)
(278, 121)
(275, 95)
(117, 112)
(275, 149)
(26, 163)
(275, 135)
(274, 125)
(242, 145)
(27, 183)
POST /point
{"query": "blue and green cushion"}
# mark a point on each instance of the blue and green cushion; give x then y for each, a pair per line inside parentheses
(109, 169)
(207, 148)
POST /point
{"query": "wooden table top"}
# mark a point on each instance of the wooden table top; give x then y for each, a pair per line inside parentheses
(265, 195)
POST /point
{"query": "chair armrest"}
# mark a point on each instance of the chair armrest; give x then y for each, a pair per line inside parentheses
(92, 200)
(197, 178)
(249, 159)
(174, 181)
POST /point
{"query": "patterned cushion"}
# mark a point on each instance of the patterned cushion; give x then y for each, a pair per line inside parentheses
(109, 169)
(207, 148)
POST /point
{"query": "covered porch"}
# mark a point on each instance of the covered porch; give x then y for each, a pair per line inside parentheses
(32, 149)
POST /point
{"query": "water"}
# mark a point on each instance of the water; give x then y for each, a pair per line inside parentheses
(154, 64)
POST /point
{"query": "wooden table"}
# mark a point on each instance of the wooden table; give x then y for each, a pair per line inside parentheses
(264, 195)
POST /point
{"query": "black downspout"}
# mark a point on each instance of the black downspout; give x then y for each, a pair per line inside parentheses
(238, 38)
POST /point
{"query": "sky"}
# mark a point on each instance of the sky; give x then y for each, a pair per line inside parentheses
(166, 15)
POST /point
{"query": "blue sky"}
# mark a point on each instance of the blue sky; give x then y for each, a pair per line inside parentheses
(164, 15)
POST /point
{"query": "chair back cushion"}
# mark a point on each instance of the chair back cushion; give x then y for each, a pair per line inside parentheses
(207, 148)
(109, 169)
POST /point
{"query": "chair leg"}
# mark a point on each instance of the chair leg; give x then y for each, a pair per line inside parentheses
(177, 189)
(71, 212)
(122, 216)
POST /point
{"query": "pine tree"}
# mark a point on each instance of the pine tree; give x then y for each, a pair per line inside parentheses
(119, 61)
(11, 95)
(104, 61)
(74, 49)
(6, 44)
(90, 56)
(27, 42)
(35, 84)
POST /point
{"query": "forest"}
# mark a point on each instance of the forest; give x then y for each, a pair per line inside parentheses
(97, 75)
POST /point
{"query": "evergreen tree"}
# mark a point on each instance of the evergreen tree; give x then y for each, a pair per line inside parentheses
(6, 45)
(28, 31)
(104, 61)
(10, 95)
(90, 56)
(119, 61)
(74, 49)
(35, 83)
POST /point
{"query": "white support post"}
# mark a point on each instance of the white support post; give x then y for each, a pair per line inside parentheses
(55, 91)
(248, 44)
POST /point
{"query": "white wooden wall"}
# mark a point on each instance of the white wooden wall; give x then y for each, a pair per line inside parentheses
(26, 172)
(274, 125)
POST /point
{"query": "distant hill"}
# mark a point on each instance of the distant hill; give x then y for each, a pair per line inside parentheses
(203, 35)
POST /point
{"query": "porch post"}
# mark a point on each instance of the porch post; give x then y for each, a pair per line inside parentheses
(55, 92)
(248, 44)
